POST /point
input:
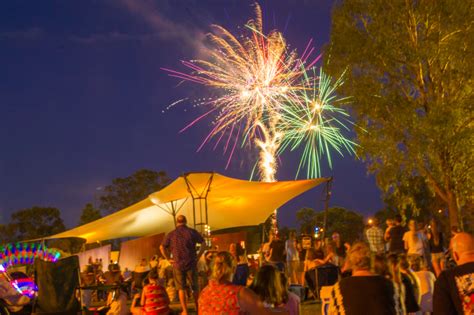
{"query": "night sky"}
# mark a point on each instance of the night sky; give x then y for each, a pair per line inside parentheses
(82, 98)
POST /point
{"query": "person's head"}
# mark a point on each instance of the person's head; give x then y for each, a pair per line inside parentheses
(239, 250)
(380, 266)
(267, 285)
(181, 220)
(336, 237)
(359, 256)
(412, 225)
(389, 222)
(292, 235)
(317, 243)
(143, 262)
(374, 222)
(462, 248)
(330, 248)
(397, 219)
(153, 276)
(417, 263)
(403, 263)
(223, 267)
(233, 249)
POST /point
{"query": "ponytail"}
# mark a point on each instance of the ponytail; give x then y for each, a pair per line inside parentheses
(223, 266)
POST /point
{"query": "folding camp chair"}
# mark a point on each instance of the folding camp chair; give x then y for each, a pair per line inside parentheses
(57, 284)
(325, 275)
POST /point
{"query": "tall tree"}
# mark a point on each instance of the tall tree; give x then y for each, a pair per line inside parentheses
(124, 192)
(89, 214)
(347, 223)
(410, 67)
(34, 223)
(305, 218)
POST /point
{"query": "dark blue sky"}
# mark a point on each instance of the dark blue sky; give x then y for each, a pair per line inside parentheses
(82, 95)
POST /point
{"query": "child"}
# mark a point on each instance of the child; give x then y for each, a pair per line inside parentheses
(154, 297)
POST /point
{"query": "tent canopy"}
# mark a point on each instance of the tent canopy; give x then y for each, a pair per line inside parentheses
(230, 202)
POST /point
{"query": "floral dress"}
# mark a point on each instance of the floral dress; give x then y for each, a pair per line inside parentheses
(219, 298)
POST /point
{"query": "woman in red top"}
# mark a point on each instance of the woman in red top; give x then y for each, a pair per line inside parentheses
(154, 297)
(223, 297)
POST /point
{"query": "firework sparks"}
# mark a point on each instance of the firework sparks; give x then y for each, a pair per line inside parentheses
(311, 119)
(255, 74)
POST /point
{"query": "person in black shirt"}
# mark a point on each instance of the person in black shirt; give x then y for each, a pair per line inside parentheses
(454, 289)
(435, 241)
(277, 253)
(394, 235)
(364, 292)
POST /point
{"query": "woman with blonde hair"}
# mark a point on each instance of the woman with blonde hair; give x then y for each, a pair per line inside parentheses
(220, 296)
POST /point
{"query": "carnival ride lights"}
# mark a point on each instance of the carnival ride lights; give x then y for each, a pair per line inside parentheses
(24, 254)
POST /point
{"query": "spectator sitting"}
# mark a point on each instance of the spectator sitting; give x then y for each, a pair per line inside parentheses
(223, 297)
(355, 294)
(154, 298)
(410, 281)
(453, 292)
(292, 302)
(136, 308)
(117, 301)
(267, 285)
(426, 279)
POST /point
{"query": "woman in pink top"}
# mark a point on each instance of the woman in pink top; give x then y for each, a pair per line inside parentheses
(223, 297)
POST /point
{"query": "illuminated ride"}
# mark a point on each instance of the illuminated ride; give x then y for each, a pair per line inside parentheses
(17, 288)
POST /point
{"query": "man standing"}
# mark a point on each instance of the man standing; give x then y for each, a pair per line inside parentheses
(454, 289)
(374, 236)
(181, 243)
(394, 236)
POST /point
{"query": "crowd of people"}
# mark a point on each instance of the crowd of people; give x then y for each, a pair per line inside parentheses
(396, 271)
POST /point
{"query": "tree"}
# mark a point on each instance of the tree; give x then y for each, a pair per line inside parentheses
(410, 67)
(347, 223)
(124, 192)
(35, 222)
(305, 219)
(89, 214)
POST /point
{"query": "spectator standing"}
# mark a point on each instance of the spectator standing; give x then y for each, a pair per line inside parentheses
(454, 289)
(435, 242)
(182, 242)
(277, 253)
(374, 236)
(394, 235)
(364, 292)
(223, 297)
(292, 258)
(414, 241)
(265, 257)
(242, 271)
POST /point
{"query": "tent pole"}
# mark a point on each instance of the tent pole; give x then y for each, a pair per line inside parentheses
(326, 205)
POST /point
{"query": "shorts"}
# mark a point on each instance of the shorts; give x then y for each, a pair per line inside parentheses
(181, 279)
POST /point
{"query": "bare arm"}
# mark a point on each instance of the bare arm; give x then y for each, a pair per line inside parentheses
(164, 252)
(202, 250)
(250, 303)
(142, 301)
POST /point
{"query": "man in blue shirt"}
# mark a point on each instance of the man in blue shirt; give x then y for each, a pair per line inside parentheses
(181, 243)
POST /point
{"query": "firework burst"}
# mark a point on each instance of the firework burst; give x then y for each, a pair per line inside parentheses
(313, 120)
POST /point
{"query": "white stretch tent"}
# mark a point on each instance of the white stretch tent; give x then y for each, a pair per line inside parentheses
(230, 202)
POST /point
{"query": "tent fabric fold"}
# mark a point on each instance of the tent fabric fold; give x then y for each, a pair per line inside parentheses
(230, 202)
